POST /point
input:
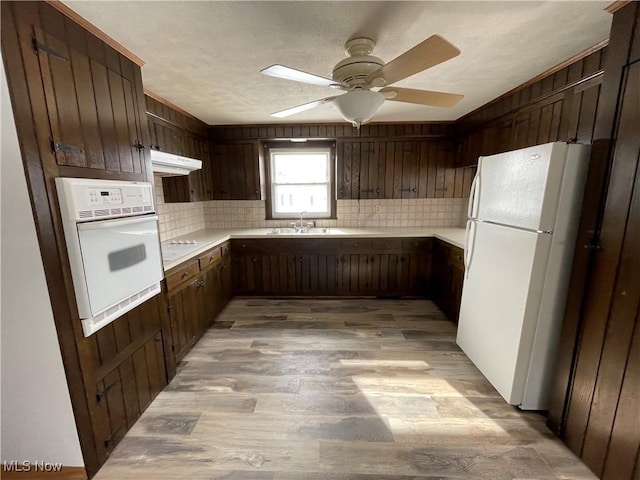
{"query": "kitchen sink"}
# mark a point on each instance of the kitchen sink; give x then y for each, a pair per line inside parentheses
(294, 231)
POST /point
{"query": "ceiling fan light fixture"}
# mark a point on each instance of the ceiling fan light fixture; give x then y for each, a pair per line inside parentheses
(358, 106)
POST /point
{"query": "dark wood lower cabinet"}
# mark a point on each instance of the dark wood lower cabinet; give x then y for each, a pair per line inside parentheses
(196, 293)
(184, 314)
(448, 275)
(125, 391)
(380, 267)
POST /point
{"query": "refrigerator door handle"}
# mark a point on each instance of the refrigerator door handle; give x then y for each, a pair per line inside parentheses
(475, 192)
(469, 244)
(472, 196)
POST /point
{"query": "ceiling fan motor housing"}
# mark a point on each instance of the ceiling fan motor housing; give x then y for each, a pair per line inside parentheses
(354, 69)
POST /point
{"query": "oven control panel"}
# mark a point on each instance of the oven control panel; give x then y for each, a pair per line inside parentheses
(87, 199)
(105, 196)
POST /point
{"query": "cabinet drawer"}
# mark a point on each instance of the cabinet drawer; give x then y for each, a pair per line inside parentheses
(354, 244)
(183, 275)
(210, 258)
(225, 249)
(383, 244)
(456, 257)
(416, 244)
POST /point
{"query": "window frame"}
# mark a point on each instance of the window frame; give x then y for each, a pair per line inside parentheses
(268, 146)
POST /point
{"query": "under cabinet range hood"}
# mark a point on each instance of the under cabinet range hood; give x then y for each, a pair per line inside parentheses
(168, 164)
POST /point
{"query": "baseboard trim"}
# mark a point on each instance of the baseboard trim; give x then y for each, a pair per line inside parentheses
(65, 473)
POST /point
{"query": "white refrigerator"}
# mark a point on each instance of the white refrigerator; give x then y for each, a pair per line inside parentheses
(523, 216)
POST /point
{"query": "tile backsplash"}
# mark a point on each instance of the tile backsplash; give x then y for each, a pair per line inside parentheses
(183, 218)
(421, 212)
(177, 218)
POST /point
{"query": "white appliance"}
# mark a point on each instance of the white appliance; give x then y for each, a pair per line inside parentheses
(168, 164)
(113, 244)
(523, 217)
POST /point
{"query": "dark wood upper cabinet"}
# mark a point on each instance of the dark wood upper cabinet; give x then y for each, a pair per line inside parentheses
(92, 97)
(235, 169)
(166, 137)
(394, 169)
(174, 132)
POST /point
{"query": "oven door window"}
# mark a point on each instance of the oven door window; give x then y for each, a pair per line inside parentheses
(120, 257)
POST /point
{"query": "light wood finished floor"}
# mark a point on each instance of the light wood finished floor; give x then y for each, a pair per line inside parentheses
(335, 390)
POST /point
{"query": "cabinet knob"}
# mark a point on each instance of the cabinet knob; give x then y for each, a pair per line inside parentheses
(254, 260)
(185, 275)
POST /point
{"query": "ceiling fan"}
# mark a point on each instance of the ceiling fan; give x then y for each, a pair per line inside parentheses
(360, 73)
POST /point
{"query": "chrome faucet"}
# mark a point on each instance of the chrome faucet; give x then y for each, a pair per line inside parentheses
(302, 226)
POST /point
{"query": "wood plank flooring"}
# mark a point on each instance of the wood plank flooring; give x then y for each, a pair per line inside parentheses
(335, 390)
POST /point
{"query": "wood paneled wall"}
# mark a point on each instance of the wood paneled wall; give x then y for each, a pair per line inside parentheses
(329, 131)
(598, 414)
(378, 161)
(160, 109)
(561, 106)
(68, 86)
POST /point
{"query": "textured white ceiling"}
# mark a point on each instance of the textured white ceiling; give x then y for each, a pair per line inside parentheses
(205, 56)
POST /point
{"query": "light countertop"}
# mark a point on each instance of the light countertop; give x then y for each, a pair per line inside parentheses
(211, 237)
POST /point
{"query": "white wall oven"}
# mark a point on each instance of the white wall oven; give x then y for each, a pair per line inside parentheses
(111, 233)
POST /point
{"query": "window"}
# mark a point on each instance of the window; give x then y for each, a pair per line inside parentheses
(301, 180)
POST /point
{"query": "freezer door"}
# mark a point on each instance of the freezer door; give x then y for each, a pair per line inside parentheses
(520, 188)
(500, 303)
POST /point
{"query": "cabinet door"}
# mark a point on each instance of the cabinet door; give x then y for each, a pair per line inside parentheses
(420, 273)
(209, 293)
(168, 138)
(247, 273)
(226, 280)
(457, 279)
(197, 186)
(360, 169)
(125, 392)
(439, 272)
(184, 312)
(93, 105)
(236, 172)
(399, 274)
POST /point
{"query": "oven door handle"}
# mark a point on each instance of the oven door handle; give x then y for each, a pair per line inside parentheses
(116, 222)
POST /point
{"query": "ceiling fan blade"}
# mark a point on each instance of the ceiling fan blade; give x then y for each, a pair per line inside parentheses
(422, 97)
(288, 73)
(431, 52)
(301, 108)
